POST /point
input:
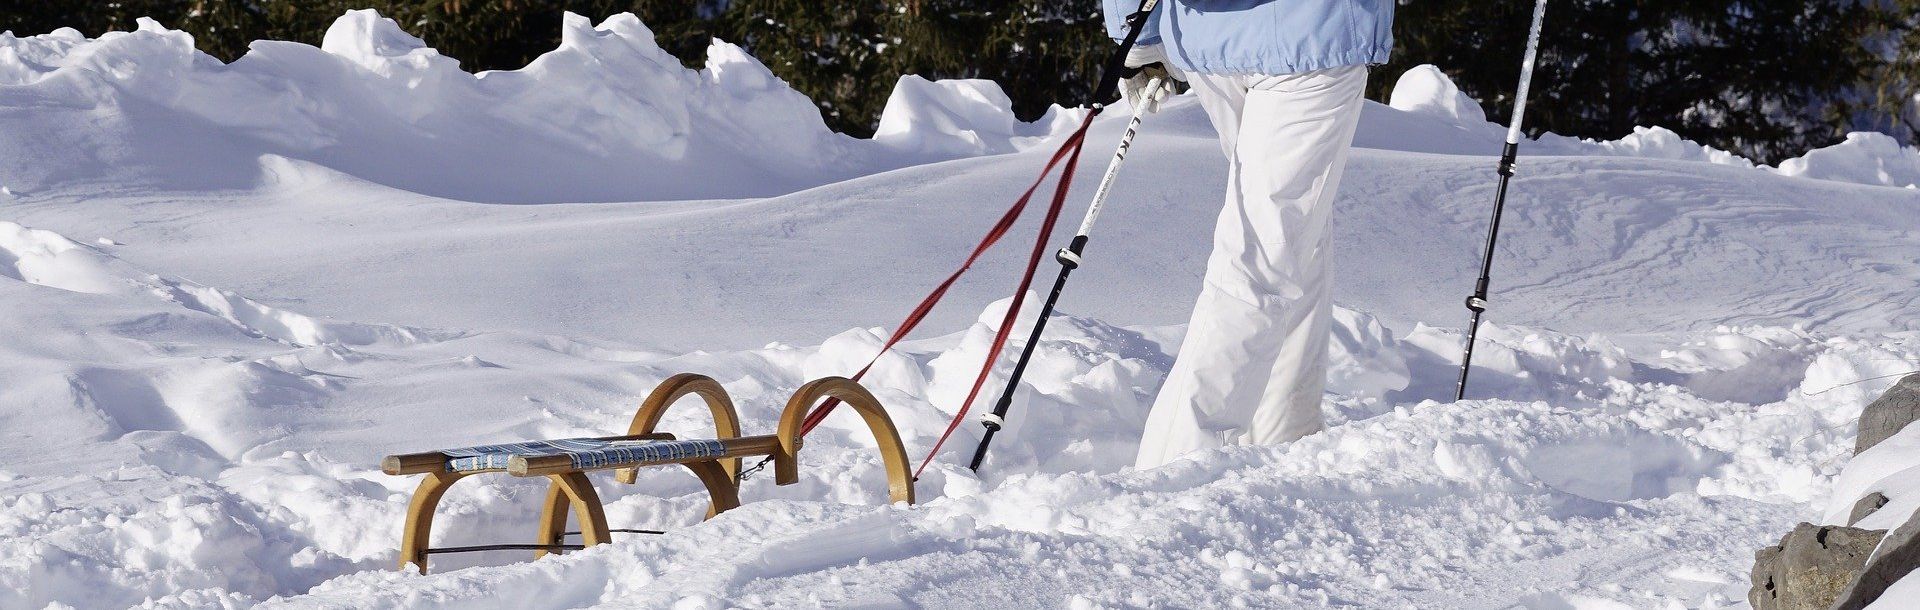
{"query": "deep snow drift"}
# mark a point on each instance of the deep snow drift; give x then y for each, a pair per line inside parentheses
(608, 116)
(231, 288)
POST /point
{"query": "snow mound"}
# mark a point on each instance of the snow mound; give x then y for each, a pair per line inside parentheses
(45, 258)
(1439, 117)
(1516, 362)
(1663, 143)
(1424, 89)
(1864, 158)
(606, 116)
(961, 117)
(94, 548)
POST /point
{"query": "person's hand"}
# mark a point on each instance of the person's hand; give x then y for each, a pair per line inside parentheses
(1149, 62)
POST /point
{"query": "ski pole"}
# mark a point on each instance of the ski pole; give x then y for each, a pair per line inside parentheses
(1069, 258)
(1477, 303)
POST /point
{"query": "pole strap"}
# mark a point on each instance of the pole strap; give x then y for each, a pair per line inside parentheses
(1019, 294)
(1069, 153)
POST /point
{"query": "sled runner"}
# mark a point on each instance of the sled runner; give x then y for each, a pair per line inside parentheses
(566, 462)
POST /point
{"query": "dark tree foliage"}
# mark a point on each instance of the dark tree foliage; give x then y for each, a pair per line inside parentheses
(1759, 77)
(482, 34)
(1049, 52)
(827, 50)
(1765, 78)
(1889, 99)
(847, 56)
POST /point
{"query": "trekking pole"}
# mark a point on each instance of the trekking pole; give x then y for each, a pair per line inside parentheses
(1478, 302)
(1069, 258)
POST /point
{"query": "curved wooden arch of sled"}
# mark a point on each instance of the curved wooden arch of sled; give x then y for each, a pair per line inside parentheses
(786, 463)
(569, 490)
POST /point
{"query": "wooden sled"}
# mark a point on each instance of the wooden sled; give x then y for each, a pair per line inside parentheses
(566, 462)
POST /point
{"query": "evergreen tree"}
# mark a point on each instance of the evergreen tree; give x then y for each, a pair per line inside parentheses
(1758, 77)
(829, 51)
(1888, 101)
(1049, 52)
(28, 17)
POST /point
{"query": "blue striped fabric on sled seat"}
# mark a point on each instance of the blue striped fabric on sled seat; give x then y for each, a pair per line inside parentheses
(586, 453)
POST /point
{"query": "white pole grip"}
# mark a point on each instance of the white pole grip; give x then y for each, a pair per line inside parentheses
(1120, 155)
(1526, 71)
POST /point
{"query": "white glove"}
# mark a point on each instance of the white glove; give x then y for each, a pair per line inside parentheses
(1152, 61)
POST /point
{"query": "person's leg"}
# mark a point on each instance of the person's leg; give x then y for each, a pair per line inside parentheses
(1252, 366)
(1298, 129)
(1221, 97)
(1173, 428)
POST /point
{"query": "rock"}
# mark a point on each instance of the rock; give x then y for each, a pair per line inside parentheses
(1866, 506)
(1899, 406)
(1811, 567)
(1898, 555)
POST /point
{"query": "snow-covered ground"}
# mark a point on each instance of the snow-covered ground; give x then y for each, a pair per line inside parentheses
(229, 289)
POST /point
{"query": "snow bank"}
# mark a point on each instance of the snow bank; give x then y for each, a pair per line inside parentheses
(1424, 89)
(962, 118)
(1865, 158)
(606, 116)
(1427, 112)
(1457, 125)
(1663, 143)
(45, 258)
(85, 542)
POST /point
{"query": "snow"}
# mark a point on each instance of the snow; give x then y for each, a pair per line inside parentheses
(1901, 592)
(374, 102)
(1424, 89)
(1865, 158)
(962, 117)
(231, 288)
(1891, 468)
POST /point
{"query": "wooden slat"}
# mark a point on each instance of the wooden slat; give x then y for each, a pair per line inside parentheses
(414, 463)
(746, 446)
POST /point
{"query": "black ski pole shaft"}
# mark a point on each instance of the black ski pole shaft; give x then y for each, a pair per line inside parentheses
(1069, 258)
(996, 419)
(1477, 303)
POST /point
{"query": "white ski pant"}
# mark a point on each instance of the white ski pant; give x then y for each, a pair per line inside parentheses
(1253, 365)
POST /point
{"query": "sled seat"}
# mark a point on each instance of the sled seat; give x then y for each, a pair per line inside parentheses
(565, 462)
(580, 453)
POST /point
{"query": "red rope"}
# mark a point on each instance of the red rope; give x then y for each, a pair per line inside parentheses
(1019, 296)
(1070, 153)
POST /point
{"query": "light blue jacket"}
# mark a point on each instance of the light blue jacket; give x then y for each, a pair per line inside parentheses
(1263, 36)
